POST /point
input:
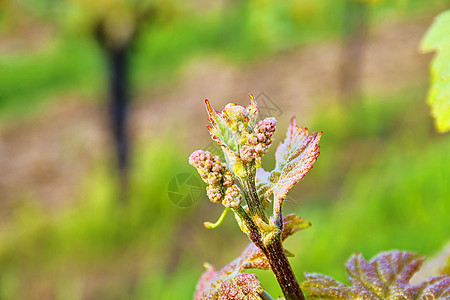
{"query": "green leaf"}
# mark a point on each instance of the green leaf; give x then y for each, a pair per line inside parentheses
(220, 130)
(293, 223)
(386, 276)
(438, 39)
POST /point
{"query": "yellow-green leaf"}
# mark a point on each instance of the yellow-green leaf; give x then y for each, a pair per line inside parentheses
(438, 39)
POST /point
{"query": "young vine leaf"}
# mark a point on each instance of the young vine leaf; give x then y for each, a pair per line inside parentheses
(295, 156)
(386, 276)
(230, 283)
(437, 39)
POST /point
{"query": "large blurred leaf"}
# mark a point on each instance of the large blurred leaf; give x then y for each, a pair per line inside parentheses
(384, 277)
(438, 39)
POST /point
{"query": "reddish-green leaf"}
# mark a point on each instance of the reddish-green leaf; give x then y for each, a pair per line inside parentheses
(227, 286)
(295, 156)
(386, 276)
(292, 224)
(230, 282)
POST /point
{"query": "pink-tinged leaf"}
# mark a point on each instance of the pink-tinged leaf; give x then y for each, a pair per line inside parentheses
(253, 258)
(294, 158)
(205, 281)
(230, 283)
(386, 276)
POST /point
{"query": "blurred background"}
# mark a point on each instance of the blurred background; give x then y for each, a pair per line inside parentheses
(101, 103)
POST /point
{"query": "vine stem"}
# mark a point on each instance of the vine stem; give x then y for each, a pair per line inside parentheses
(273, 249)
(283, 270)
(252, 198)
(277, 259)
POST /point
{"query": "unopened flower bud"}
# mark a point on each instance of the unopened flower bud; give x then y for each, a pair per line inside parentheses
(233, 197)
(214, 173)
(227, 179)
(261, 138)
(236, 112)
(214, 194)
(260, 149)
(247, 154)
(265, 127)
(253, 140)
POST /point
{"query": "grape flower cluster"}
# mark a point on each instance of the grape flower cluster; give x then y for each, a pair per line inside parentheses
(258, 141)
(221, 187)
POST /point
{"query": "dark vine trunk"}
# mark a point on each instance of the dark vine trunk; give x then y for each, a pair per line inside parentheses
(118, 63)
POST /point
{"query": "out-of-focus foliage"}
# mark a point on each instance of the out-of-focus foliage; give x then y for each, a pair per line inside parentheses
(439, 264)
(73, 63)
(438, 39)
(118, 21)
(89, 235)
(371, 1)
(386, 276)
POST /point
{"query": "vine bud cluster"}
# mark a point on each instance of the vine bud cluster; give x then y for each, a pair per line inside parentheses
(221, 187)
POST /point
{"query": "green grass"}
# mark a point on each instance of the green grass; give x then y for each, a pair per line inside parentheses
(29, 80)
(97, 231)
